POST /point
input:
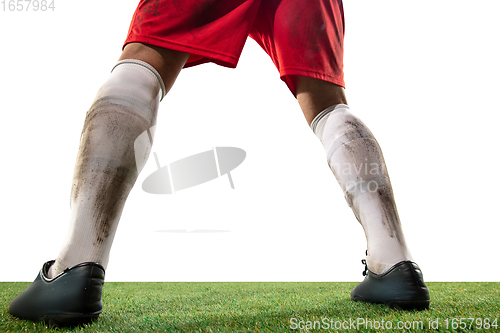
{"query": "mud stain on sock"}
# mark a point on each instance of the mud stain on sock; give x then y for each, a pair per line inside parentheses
(390, 213)
(107, 186)
(356, 131)
(111, 194)
(106, 170)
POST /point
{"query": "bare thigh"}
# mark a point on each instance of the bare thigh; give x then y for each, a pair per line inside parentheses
(167, 62)
(316, 95)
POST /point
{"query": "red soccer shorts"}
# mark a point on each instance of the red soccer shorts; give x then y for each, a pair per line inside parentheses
(302, 37)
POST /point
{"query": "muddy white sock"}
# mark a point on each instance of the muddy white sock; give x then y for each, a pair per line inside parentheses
(107, 166)
(357, 162)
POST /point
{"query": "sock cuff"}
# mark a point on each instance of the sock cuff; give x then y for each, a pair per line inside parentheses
(323, 113)
(148, 66)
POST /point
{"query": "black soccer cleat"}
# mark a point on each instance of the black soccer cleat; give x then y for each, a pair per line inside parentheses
(402, 287)
(71, 298)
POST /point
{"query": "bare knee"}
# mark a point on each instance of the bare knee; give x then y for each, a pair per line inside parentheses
(167, 62)
(316, 95)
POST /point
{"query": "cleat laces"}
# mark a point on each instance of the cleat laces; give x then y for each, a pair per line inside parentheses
(365, 272)
(363, 261)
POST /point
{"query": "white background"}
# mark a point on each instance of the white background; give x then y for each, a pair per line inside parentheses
(423, 75)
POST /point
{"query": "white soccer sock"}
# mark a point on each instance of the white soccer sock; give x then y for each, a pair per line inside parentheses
(106, 167)
(357, 162)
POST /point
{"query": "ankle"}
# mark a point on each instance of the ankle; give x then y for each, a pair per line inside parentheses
(379, 263)
(55, 269)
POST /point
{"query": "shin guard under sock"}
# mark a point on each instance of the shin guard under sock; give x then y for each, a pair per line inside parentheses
(357, 162)
(106, 167)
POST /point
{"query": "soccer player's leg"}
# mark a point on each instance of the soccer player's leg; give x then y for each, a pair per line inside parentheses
(162, 39)
(356, 160)
(305, 41)
(68, 290)
(106, 166)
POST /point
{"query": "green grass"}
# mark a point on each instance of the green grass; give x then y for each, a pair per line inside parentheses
(259, 307)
